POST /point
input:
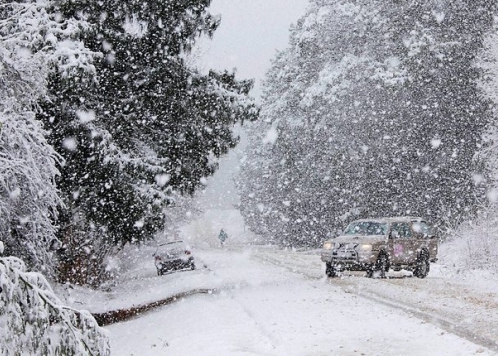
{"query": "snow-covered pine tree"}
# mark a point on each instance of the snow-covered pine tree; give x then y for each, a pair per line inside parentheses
(487, 61)
(147, 127)
(33, 321)
(377, 112)
(31, 39)
(473, 244)
(312, 104)
(439, 114)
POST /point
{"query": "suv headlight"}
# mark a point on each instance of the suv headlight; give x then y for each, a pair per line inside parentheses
(327, 245)
(365, 248)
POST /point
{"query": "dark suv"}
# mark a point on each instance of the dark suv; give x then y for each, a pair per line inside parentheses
(172, 256)
(376, 245)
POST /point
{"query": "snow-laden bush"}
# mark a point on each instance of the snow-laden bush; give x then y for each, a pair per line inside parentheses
(473, 244)
(33, 320)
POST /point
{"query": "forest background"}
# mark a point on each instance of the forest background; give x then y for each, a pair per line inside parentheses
(376, 108)
(108, 129)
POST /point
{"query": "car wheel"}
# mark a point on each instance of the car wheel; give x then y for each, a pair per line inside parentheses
(192, 266)
(330, 270)
(423, 266)
(159, 272)
(382, 265)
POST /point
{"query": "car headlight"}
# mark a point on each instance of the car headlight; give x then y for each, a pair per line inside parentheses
(328, 245)
(365, 248)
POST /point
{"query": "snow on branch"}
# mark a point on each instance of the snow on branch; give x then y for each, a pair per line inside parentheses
(34, 38)
(33, 320)
(30, 27)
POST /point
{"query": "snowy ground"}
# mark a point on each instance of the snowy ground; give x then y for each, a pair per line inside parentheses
(266, 301)
(273, 302)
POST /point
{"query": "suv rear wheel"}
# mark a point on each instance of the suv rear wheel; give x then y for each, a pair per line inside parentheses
(423, 265)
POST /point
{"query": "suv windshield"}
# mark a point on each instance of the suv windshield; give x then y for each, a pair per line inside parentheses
(366, 228)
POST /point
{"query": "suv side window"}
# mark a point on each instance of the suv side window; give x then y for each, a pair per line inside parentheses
(401, 230)
(422, 228)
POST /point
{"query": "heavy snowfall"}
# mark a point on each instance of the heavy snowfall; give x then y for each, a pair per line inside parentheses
(119, 141)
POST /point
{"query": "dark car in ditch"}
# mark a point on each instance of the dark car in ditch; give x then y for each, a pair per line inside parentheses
(377, 245)
(173, 256)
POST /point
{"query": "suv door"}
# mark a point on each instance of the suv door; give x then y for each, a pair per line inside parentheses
(426, 238)
(401, 243)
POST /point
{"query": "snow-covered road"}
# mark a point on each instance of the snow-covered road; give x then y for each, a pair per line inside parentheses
(273, 302)
(463, 305)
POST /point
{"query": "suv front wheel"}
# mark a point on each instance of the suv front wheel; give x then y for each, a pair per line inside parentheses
(381, 267)
(330, 270)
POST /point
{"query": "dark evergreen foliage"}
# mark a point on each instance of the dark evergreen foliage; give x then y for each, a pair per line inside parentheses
(378, 113)
(146, 125)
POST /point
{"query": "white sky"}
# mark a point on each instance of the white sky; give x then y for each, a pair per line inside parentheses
(250, 33)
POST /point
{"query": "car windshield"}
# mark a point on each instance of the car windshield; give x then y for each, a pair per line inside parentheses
(366, 228)
(169, 246)
(175, 244)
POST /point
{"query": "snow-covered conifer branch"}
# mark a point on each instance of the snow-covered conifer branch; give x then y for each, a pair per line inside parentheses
(33, 36)
(33, 320)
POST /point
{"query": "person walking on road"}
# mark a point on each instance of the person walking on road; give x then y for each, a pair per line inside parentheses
(223, 237)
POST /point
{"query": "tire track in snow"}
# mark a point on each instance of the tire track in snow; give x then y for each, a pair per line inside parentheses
(360, 287)
(250, 314)
(436, 320)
